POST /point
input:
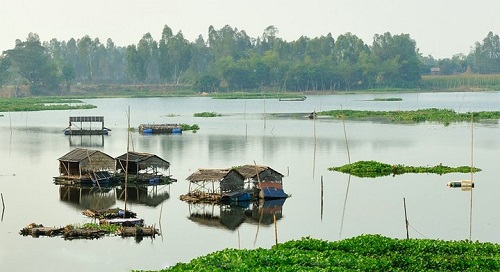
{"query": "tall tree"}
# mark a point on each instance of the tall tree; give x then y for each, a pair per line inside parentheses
(399, 59)
(31, 61)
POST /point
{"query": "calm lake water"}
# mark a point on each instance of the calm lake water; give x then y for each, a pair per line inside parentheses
(248, 132)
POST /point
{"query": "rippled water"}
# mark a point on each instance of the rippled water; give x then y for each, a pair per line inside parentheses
(248, 132)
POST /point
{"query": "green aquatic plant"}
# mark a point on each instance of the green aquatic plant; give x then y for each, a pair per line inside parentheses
(373, 169)
(193, 127)
(39, 104)
(445, 116)
(362, 253)
(207, 114)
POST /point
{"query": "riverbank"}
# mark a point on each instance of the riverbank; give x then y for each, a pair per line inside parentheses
(362, 253)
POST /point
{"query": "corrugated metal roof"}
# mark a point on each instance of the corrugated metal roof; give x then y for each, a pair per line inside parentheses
(138, 157)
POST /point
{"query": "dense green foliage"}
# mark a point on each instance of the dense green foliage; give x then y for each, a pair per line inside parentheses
(229, 60)
(445, 116)
(193, 127)
(207, 114)
(372, 169)
(108, 228)
(362, 253)
(38, 104)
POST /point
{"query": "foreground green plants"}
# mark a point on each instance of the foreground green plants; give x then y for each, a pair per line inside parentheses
(445, 116)
(373, 169)
(362, 253)
(39, 104)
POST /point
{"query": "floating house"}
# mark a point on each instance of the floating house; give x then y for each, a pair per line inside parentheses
(142, 168)
(160, 128)
(85, 167)
(267, 182)
(83, 125)
(211, 185)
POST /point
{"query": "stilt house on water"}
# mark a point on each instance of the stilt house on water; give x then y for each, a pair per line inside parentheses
(85, 167)
(267, 182)
(143, 168)
(211, 185)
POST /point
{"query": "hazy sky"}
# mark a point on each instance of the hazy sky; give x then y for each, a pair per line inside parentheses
(441, 28)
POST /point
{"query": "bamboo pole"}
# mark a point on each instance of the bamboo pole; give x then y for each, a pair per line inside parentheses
(275, 230)
(471, 173)
(127, 157)
(406, 219)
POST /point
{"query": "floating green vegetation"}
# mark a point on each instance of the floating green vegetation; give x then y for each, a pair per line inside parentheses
(373, 169)
(388, 99)
(108, 228)
(362, 253)
(207, 114)
(39, 104)
(193, 127)
(445, 116)
(255, 95)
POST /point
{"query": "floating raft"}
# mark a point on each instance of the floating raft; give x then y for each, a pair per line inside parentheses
(87, 131)
(160, 128)
(109, 213)
(138, 231)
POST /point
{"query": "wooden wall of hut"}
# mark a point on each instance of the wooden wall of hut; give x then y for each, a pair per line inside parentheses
(233, 181)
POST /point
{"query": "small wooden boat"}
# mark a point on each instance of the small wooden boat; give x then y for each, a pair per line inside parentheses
(237, 196)
(292, 98)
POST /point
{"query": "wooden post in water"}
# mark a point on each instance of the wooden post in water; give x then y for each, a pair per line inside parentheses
(3, 205)
(321, 198)
(275, 230)
(406, 220)
(126, 164)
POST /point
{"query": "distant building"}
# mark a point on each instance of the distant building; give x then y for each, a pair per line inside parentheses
(435, 71)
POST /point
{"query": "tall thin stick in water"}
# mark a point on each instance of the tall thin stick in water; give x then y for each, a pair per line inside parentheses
(321, 198)
(345, 137)
(314, 143)
(126, 164)
(471, 173)
(275, 230)
(406, 220)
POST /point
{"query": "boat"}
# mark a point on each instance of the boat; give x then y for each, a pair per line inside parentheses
(292, 98)
(237, 196)
(74, 129)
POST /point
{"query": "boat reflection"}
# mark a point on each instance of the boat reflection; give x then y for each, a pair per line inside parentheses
(232, 215)
(88, 197)
(151, 196)
(86, 140)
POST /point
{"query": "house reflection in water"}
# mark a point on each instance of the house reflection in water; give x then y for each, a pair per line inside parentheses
(152, 195)
(88, 197)
(231, 216)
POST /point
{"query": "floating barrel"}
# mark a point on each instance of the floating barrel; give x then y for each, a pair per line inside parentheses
(458, 184)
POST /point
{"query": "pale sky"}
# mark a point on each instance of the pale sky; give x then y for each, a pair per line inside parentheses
(441, 28)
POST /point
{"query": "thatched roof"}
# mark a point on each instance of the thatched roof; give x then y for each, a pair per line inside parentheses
(79, 154)
(250, 171)
(210, 175)
(145, 159)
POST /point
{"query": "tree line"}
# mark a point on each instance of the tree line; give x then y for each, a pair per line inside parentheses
(229, 59)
